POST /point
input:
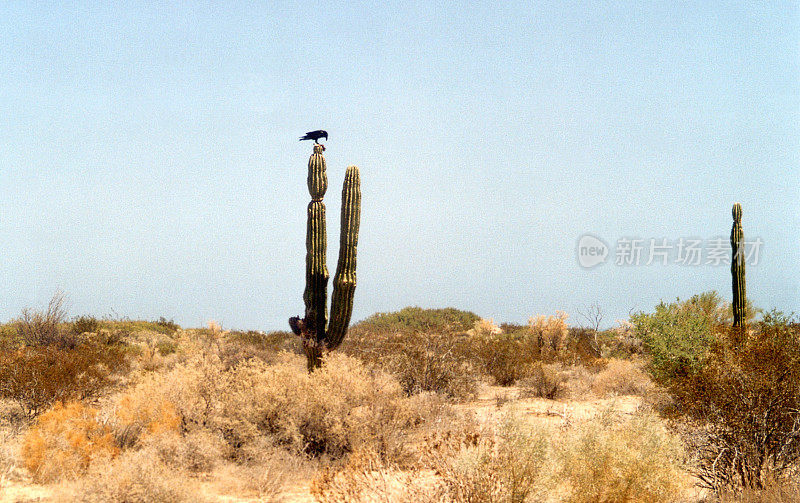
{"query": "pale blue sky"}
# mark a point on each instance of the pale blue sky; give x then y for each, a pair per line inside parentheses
(149, 162)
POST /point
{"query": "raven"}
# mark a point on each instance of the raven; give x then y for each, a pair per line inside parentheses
(315, 135)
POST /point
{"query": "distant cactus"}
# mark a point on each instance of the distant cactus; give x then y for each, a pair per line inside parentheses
(737, 268)
(318, 335)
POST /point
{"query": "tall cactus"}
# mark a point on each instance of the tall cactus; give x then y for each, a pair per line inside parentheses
(737, 268)
(318, 335)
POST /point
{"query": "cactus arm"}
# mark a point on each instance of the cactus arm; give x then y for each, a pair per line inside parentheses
(739, 303)
(344, 283)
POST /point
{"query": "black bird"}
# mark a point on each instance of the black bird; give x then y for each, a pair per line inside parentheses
(315, 135)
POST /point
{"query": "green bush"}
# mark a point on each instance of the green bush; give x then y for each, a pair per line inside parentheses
(166, 347)
(415, 319)
(84, 324)
(676, 336)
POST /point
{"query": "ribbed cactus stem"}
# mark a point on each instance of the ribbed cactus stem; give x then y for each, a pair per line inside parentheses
(344, 283)
(316, 292)
(317, 174)
(318, 337)
(737, 268)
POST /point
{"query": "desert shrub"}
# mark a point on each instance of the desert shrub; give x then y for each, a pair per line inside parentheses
(543, 380)
(508, 328)
(64, 441)
(136, 476)
(8, 336)
(338, 408)
(609, 458)
(505, 357)
(677, 337)
(37, 377)
(137, 415)
(197, 451)
(168, 325)
(84, 324)
(503, 468)
(621, 377)
(416, 319)
(12, 415)
(45, 328)
(366, 478)
(237, 346)
(421, 361)
(275, 341)
(262, 478)
(166, 347)
(577, 381)
(485, 327)
(128, 326)
(9, 459)
(583, 344)
(772, 492)
(746, 401)
(620, 342)
(186, 397)
(549, 334)
(110, 337)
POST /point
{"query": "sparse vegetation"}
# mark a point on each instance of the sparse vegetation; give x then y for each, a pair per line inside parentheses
(379, 421)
